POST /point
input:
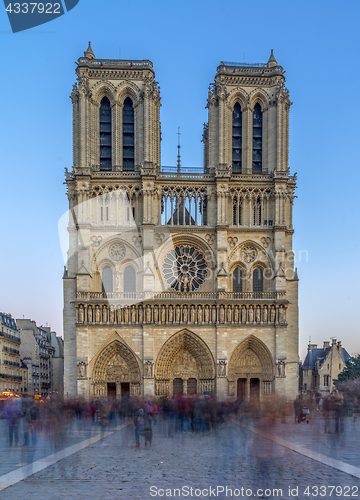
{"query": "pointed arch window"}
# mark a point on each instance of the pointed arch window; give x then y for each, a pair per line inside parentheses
(257, 212)
(236, 139)
(257, 140)
(237, 280)
(128, 135)
(236, 213)
(129, 279)
(257, 280)
(107, 280)
(105, 134)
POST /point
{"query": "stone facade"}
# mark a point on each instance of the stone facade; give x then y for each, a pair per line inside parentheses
(10, 373)
(37, 352)
(179, 280)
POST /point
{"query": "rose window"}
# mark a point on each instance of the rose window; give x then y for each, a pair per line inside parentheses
(184, 269)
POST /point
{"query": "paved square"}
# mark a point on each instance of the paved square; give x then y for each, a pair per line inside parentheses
(233, 457)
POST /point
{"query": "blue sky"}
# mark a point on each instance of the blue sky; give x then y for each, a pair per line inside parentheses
(317, 43)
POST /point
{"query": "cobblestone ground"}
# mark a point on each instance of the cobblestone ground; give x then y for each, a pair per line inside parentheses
(234, 457)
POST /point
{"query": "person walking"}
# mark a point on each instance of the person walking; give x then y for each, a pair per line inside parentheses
(142, 423)
(12, 414)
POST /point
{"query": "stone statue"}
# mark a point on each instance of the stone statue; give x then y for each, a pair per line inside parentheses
(251, 315)
(236, 315)
(112, 315)
(148, 369)
(281, 315)
(222, 368)
(257, 315)
(222, 315)
(133, 315)
(126, 315)
(177, 314)
(156, 314)
(81, 314)
(163, 315)
(207, 314)
(141, 314)
(89, 314)
(265, 315)
(185, 314)
(192, 314)
(272, 315)
(81, 370)
(200, 315)
(213, 315)
(148, 314)
(281, 368)
(171, 313)
(243, 315)
(229, 315)
(118, 314)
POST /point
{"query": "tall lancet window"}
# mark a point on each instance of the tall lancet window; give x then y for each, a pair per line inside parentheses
(257, 280)
(129, 279)
(237, 280)
(236, 139)
(257, 140)
(128, 135)
(105, 134)
(107, 280)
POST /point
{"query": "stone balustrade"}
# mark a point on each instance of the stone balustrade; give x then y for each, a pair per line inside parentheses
(181, 296)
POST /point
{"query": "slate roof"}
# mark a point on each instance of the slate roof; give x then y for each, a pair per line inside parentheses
(309, 361)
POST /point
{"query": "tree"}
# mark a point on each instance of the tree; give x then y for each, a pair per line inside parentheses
(351, 370)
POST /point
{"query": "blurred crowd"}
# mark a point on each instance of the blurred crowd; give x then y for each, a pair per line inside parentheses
(25, 418)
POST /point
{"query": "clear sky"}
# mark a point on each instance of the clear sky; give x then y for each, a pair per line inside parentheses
(317, 43)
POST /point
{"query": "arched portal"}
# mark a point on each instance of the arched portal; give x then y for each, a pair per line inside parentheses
(251, 370)
(185, 357)
(116, 372)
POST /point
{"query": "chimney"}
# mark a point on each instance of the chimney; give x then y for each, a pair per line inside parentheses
(312, 346)
(334, 342)
(339, 345)
(326, 344)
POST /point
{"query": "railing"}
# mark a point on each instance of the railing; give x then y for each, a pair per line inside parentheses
(9, 349)
(247, 65)
(170, 175)
(119, 63)
(183, 170)
(172, 295)
(10, 363)
(12, 377)
(11, 337)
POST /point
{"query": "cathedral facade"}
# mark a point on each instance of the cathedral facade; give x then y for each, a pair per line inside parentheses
(180, 281)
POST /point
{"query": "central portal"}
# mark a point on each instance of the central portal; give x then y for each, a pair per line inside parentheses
(184, 366)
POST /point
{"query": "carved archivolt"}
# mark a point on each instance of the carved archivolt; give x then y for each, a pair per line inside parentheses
(191, 344)
(251, 358)
(116, 362)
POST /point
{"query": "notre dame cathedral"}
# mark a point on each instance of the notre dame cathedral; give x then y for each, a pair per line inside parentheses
(180, 281)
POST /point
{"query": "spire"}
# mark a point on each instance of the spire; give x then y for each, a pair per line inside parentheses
(272, 61)
(178, 158)
(89, 52)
